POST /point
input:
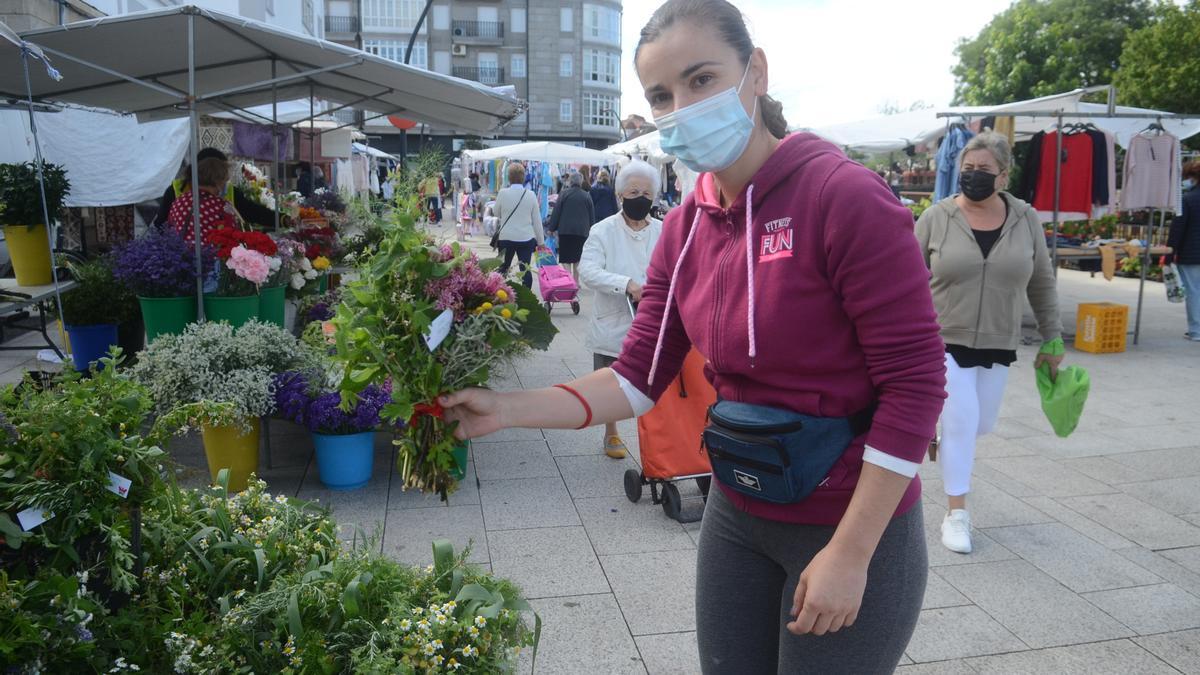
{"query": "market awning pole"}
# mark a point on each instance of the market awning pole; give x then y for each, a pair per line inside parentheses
(194, 126)
(1057, 188)
(275, 144)
(312, 139)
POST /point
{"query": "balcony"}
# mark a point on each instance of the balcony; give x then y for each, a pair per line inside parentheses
(341, 25)
(490, 75)
(478, 32)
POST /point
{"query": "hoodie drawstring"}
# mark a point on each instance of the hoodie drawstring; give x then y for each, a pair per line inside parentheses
(750, 271)
(662, 327)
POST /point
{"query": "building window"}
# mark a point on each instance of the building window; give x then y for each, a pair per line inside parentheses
(441, 62)
(441, 17)
(602, 24)
(600, 110)
(566, 65)
(601, 67)
(518, 20)
(566, 20)
(566, 110)
(518, 65)
(393, 50)
(392, 14)
(306, 15)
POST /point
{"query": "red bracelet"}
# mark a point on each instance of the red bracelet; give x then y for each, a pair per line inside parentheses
(586, 408)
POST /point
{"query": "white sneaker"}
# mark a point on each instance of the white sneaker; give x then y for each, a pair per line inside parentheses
(956, 531)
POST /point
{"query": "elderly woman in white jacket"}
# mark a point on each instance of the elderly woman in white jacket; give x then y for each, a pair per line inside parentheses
(614, 263)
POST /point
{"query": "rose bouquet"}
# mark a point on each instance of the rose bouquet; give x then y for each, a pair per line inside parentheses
(254, 184)
(247, 261)
(432, 319)
(159, 265)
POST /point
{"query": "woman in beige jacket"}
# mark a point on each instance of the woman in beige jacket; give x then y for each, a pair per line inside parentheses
(986, 252)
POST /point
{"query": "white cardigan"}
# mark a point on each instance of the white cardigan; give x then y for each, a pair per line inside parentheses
(526, 220)
(612, 256)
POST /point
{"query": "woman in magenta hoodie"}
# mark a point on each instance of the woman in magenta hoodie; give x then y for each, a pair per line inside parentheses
(795, 272)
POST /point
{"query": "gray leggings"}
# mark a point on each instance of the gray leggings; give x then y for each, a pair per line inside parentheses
(746, 576)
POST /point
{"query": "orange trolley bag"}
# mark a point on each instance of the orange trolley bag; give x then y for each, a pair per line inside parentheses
(669, 436)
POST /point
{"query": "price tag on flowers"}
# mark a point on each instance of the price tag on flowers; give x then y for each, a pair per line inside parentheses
(439, 330)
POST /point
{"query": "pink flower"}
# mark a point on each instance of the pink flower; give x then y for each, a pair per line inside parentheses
(249, 265)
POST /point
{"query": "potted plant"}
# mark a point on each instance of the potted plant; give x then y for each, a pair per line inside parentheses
(344, 437)
(214, 362)
(22, 216)
(160, 269)
(92, 310)
(246, 261)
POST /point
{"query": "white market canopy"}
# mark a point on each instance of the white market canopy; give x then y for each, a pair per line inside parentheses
(542, 151)
(364, 149)
(891, 133)
(139, 63)
(647, 147)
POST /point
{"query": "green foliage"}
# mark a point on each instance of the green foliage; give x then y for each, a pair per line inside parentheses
(20, 197)
(920, 207)
(1160, 66)
(97, 298)
(407, 180)
(1041, 47)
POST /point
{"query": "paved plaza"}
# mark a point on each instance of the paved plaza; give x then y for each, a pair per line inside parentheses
(1087, 554)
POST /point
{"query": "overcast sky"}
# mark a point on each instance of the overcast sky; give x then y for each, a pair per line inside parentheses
(841, 60)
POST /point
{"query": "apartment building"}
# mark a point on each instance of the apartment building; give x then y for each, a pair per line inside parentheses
(299, 16)
(563, 57)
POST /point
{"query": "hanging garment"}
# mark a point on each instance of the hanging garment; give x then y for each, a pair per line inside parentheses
(1109, 205)
(947, 162)
(1099, 167)
(1006, 126)
(1029, 170)
(1151, 173)
(1075, 183)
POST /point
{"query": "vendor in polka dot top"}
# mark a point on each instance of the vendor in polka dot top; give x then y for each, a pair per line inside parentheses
(215, 212)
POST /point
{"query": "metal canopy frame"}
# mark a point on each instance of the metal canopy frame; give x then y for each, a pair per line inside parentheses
(1059, 116)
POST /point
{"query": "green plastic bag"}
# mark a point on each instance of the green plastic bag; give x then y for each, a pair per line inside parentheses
(1063, 397)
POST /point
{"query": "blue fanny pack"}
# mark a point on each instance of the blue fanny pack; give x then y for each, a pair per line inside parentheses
(773, 454)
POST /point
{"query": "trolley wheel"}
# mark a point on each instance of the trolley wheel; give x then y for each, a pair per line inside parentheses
(575, 307)
(704, 483)
(548, 306)
(633, 485)
(672, 503)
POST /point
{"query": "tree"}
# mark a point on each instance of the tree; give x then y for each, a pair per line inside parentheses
(1041, 47)
(1160, 66)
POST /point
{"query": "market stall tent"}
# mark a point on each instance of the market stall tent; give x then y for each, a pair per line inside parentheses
(542, 151)
(647, 147)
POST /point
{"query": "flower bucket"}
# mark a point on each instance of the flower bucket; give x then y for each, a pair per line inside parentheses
(460, 460)
(91, 343)
(29, 249)
(167, 316)
(271, 306)
(345, 461)
(322, 283)
(236, 311)
(131, 336)
(229, 448)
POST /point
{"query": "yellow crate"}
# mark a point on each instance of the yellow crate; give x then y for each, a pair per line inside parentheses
(1100, 327)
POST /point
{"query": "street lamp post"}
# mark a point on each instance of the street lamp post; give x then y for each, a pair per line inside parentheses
(624, 134)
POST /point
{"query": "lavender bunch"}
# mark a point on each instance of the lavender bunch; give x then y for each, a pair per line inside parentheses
(159, 265)
(321, 412)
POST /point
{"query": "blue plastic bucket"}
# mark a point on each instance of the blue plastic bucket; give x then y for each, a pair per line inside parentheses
(345, 462)
(91, 343)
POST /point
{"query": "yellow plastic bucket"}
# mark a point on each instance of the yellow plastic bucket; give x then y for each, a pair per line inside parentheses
(29, 249)
(229, 448)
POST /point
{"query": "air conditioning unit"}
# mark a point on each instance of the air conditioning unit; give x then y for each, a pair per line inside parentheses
(459, 31)
(458, 50)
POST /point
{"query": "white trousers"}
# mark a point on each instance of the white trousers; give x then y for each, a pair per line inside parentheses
(971, 409)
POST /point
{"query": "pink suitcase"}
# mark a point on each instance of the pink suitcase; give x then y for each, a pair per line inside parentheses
(557, 285)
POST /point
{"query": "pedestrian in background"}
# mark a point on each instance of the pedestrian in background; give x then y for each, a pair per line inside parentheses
(520, 228)
(572, 219)
(1184, 241)
(603, 197)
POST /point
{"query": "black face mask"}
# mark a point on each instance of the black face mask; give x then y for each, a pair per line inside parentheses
(637, 208)
(977, 185)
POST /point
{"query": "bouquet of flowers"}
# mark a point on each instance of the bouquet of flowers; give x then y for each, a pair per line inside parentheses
(254, 184)
(432, 319)
(304, 399)
(248, 260)
(328, 202)
(159, 265)
(319, 242)
(296, 270)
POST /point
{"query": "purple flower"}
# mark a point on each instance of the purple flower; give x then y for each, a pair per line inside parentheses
(159, 265)
(321, 412)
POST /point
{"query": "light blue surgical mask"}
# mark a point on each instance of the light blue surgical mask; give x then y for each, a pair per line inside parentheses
(709, 135)
(1189, 183)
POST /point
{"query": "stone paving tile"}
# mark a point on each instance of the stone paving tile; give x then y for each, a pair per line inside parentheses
(583, 635)
(1164, 567)
(937, 668)
(1013, 427)
(1136, 520)
(467, 493)
(526, 503)
(670, 653)
(1004, 482)
(1181, 650)
(1081, 524)
(595, 475)
(992, 507)
(510, 435)
(506, 461)
(1046, 477)
(1079, 444)
(1173, 495)
(958, 632)
(996, 446)
(1104, 469)
(410, 532)
(1187, 557)
(656, 591)
(569, 442)
(1158, 437)
(985, 548)
(616, 526)
(1119, 657)
(1077, 562)
(1161, 464)
(1032, 605)
(1193, 518)
(1150, 609)
(548, 562)
(940, 594)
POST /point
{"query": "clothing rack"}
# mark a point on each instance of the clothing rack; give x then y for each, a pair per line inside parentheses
(1059, 116)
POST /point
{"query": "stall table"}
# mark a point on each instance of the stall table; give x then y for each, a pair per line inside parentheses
(14, 303)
